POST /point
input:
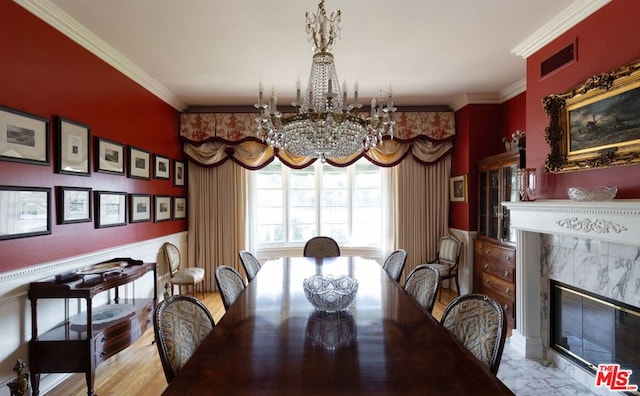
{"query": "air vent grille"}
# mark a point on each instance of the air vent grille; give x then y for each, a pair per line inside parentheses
(558, 60)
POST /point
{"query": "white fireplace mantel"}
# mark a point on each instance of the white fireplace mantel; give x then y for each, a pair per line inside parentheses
(614, 221)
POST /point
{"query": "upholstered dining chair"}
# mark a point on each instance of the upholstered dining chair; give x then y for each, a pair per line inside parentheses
(250, 263)
(189, 276)
(394, 263)
(321, 246)
(422, 285)
(479, 323)
(180, 323)
(230, 284)
(448, 260)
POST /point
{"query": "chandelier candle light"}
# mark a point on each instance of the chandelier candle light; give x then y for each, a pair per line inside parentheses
(324, 126)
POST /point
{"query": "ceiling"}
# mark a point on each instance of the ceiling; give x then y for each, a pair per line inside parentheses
(213, 53)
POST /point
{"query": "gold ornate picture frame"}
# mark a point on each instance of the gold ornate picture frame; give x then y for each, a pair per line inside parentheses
(596, 124)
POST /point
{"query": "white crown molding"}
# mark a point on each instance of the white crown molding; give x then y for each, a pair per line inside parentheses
(474, 98)
(61, 21)
(513, 90)
(571, 16)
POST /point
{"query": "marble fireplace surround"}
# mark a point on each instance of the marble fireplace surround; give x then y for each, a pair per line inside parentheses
(580, 243)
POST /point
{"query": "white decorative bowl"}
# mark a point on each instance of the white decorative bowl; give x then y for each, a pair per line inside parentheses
(330, 294)
(592, 194)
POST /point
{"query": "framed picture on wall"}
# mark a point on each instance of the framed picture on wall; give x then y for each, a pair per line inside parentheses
(178, 173)
(139, 208)
(139, 164)
(26, 212)
(111, 209)
(162, 208)
(109, 156)
(74, 205)
(72, 147)
(23, 137)
(161, 169)
(179, 208)
(458, 188)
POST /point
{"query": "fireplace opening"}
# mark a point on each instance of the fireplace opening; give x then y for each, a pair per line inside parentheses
(590, 329)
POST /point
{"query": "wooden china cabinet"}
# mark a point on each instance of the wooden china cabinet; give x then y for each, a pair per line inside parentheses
(494, 248)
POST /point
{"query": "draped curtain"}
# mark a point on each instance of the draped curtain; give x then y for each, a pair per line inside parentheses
(216, 202)
(421, 208)
(419, 152)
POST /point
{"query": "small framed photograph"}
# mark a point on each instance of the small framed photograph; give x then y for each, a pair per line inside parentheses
(74, 205)
(109, 156)
(179, 208)
(162, 207)
(111, 209)
(178, 173)
(23, 137)
(26, 212)
(139, 208)
(161, 169)
(139, 164)
(458, 188)
(72, 147)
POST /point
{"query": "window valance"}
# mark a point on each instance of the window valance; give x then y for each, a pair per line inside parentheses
(210, 139)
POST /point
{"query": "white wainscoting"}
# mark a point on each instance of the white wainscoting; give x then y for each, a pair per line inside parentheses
(15, 309)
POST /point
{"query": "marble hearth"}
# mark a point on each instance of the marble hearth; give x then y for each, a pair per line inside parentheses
(594, 246)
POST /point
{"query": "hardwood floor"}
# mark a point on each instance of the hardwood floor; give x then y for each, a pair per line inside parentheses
(137, 369)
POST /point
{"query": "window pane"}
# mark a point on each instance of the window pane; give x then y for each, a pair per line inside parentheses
(269, 179)
(335, 198)
(270, 234)
(335, 179)
(302, 179)
(269, 198)
(302, 198)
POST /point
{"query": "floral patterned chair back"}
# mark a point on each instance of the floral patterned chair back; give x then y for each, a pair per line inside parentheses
(478, 322)
(394, 264)
(250, 263)
(180, 323)
(422, 285)
(230, 284)
(321, 246)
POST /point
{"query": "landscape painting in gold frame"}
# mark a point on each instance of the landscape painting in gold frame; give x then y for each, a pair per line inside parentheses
(596, 124)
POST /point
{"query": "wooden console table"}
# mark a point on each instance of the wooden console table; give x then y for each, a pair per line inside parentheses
(74, 347)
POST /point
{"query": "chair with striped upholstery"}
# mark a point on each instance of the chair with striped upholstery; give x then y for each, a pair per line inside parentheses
(448, 259)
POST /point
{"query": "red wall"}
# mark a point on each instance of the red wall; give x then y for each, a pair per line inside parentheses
(44, 73)
(606, 40)
(513, 115)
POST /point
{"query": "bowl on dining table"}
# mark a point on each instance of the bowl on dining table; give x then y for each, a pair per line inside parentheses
(330, 294)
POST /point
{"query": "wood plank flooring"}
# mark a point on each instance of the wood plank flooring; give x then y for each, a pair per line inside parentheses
(137, 369)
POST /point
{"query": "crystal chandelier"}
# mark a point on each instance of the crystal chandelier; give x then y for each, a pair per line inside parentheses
(324, 125)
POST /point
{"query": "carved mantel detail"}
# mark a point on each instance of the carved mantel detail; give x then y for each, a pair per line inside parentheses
(587, 225)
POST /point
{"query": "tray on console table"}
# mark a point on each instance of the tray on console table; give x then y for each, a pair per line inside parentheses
(76, 347)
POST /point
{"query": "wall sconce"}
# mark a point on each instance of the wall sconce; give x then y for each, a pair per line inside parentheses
(527, 184)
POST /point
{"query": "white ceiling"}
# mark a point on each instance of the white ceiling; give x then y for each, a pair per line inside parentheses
(211, 52)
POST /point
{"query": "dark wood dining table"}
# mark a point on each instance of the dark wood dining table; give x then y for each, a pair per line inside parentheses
(272, 341)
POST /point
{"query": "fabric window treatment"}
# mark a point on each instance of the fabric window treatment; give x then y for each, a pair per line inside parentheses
(211, 139)
(420, 155)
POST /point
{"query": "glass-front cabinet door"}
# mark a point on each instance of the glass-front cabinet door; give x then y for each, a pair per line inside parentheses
(497, 183)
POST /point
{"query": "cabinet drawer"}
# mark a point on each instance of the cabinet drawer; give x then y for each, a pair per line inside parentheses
(509, 306)
(499, 254)
(498, 286)
(498, 269)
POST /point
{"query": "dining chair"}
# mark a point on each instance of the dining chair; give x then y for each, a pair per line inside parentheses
(250, 263)
(447, 260)
(479, 323)
(180, 323)
(422, 285)
(189, 276)
(394, 263)
(321, 246)
(230, 284)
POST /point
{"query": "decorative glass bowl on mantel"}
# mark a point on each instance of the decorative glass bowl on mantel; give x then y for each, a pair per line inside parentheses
(330, 294)
(593, 194)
